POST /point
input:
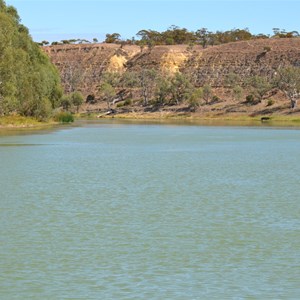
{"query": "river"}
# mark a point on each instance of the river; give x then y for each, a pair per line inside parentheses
(111, 210)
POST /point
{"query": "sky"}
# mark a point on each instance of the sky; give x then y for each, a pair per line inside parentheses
(54, 20)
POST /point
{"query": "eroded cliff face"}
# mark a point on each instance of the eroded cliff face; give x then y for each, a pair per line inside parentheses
(81, 66)
(258, 57)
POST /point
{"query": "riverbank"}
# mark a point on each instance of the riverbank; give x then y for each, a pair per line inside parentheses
(16, 121)
(225, 119)
(20, 122)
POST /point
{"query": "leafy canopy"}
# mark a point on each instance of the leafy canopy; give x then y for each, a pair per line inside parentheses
(29, 83)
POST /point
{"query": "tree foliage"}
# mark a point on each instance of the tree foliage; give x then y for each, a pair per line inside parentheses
(259, 86)
(175, 35)
(181, 88)
(77, 99)
(207, 93)
(107, 92)
(288, 80)
(29, 83)
(113, 38)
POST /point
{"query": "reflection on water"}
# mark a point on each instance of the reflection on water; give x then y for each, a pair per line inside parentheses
(108, 210)
(19, 145)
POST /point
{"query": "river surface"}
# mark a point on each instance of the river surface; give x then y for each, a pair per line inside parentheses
(148, 211)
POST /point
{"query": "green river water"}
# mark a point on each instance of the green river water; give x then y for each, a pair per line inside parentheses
(148, 211)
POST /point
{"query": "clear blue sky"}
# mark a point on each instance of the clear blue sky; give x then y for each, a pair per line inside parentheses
(62, 19)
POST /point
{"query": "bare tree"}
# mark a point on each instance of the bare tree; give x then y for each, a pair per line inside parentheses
(72, 77)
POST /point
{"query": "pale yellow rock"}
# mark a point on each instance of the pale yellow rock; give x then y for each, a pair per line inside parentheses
(172, 61)
(117, 64)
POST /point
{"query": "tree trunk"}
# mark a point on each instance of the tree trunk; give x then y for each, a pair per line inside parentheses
(292, 95)
(293, 103)
(145, 95)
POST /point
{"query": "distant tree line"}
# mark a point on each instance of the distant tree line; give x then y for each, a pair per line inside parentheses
(68, 42)
(175, 35)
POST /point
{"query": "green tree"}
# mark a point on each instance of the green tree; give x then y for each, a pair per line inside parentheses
(207, 93)
(147, 79)
(195, 99)
(237, 92)
(144, 35)
(129, 79)
(288, 81)
(181, 88)
(30, 84)
(44, 43)
(163, 89)
(259, 86)
(112, 38)
(142, 44)
(77, 99)
(107, 92)
(66, 102)
(202, 37)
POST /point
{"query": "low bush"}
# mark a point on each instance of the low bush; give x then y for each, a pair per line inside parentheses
(215, 99)
(127, 102)
(64, 117)
(251, 100)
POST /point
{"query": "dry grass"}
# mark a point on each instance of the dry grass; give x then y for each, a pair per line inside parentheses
(16, 121)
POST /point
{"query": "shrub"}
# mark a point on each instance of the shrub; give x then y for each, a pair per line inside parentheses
(66, 102)
(270, 102)
(64, 117)
(77, 99)
(237, 92)
(206, 93)
(194, 103)
(250, 99)
(231, 79)
(215, 99)
(127, 102)
(90, 99)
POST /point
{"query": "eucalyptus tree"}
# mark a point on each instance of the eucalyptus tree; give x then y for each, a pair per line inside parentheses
(288, 81)
(107, 92)
(30, 84)
(77, 99)
(259, 86)
(112, 38)
(146, 83)
(181, 88)
(206, 93)
(163, 89)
